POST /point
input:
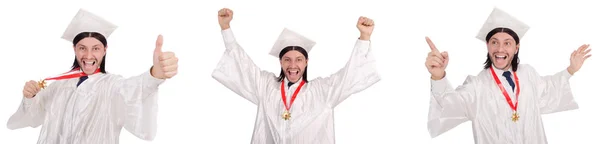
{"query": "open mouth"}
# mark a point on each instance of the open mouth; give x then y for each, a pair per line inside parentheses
(293, 72)
(500, 57)
(90, 63)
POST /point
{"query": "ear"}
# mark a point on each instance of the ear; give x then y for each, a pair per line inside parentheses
(517, 51)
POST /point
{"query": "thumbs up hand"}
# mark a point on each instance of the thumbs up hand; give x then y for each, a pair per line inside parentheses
(165, 63)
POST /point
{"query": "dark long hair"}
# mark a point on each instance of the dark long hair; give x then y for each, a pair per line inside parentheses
(291, 48)
(515, 61)
(97, 36)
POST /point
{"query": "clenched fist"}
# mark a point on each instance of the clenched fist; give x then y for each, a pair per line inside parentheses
(165, 63)
(436, 62)
(30, 89)
(225, 17)
(365, 26)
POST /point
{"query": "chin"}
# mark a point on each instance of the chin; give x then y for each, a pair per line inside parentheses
(88, 71)
(501, 66)
(293, 79)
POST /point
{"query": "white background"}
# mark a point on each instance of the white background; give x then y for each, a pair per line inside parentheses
(194, 108)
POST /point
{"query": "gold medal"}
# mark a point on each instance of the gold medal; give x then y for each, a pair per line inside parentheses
(42, 84)
(286, 115)
(515, 117)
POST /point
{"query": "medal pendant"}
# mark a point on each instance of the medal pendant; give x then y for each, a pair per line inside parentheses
(42, 84)
(286, 115)
(515, 117)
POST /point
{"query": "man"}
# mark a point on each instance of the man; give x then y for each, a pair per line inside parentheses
(290, 109)
(504, 101)
(88, 105)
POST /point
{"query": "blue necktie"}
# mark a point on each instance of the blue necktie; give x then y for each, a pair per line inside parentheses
(81, 79)
(506, 74)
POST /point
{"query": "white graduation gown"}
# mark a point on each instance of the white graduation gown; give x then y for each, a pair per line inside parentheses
(93, 113)
(480, 101)
(312, 112)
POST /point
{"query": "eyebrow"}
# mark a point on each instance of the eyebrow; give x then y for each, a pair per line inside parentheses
(508, 39)
(296, 57)
(86, 46)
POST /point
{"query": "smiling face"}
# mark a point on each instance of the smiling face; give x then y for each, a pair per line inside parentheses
(89, 52)
(293, 63)
(502, 48)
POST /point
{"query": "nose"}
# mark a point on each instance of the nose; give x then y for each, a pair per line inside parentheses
(87, 54)
(501, 48)
(293, 64)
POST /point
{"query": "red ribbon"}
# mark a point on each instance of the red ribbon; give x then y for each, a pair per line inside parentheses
(513, 107)
(71, 74)
(287, 107)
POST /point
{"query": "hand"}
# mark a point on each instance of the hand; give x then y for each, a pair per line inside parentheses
(578, 57)
(365, 26)
(165, 63)
(225, 16)
(436, 62)
(30, 89)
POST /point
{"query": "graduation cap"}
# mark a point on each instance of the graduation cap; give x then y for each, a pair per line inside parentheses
(85, 21)
(499, 18)
(291, 38)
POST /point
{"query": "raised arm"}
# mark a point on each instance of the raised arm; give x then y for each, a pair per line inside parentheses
(359, 72)
(136, 97)
(448, 107)
(236, 70)
(554, 91)
(32, 111)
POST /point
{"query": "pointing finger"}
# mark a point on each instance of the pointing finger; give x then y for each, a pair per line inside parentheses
(431, 45)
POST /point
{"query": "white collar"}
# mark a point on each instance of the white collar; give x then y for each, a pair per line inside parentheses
(287, 81)
(499, 72)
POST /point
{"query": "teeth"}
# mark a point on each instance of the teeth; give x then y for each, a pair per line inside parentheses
(293, 72)
(89, 62)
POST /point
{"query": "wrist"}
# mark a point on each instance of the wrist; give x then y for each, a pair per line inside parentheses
(365, 37)
(152, 72)
(225, 26)
(570, 70)
(436, 77)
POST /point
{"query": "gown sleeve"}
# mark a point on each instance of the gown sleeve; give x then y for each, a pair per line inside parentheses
(358, 74)
(450, 107)
(136, 104)
(553, 91)
(32, 111)
(237, 71)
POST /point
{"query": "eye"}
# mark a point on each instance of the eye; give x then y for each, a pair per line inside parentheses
(96, 48)
(81, 48)
(494, 42)
(507, 43)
